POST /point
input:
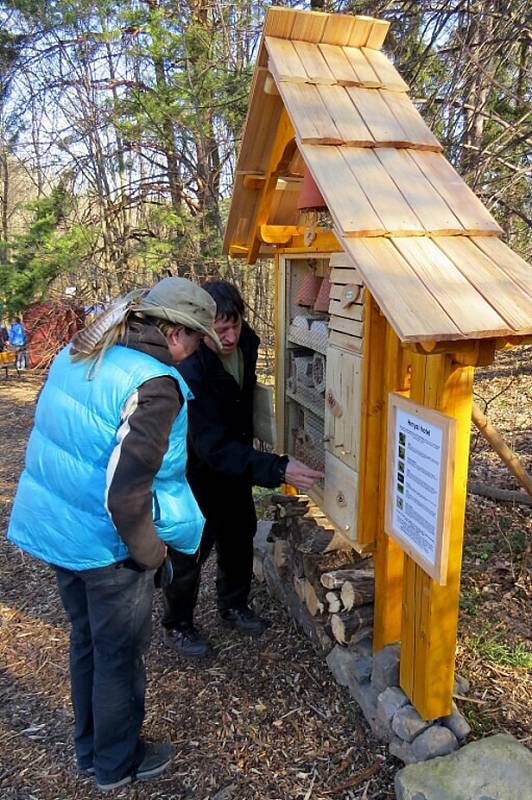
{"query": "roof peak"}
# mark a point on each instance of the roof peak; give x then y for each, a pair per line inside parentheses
(322, 28)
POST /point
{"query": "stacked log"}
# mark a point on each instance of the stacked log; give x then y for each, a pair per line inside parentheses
(317, 575)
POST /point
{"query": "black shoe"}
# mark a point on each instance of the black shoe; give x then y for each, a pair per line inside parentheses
(157, 758)
(244, 620)
(187, 641)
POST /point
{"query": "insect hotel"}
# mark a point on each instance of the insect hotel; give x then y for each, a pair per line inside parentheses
(392, 284)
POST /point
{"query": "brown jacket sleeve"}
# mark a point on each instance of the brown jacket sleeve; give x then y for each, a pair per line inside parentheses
(142, 441)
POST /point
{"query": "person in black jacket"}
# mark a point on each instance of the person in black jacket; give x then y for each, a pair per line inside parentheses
(223, 467)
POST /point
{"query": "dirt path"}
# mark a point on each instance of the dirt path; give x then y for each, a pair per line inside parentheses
(264, 721)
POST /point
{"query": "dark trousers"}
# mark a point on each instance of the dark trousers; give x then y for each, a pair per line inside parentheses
(110, 613)
(230, 525)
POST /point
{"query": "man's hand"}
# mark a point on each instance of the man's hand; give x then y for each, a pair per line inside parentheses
(298, 474)
(164, 575)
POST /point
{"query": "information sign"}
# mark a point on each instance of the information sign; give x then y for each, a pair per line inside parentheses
(418, 482)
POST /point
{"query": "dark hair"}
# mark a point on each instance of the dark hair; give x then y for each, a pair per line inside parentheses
(229, 303)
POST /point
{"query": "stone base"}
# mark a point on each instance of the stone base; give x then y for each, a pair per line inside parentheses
(372, 681)
(371, 678)
(495, 768)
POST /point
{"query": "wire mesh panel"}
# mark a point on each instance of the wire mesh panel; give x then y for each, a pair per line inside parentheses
(308, 289)
(318, 372)
(312, 335)
(308, 441)
(308, 330)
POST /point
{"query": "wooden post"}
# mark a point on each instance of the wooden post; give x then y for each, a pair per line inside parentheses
(430, 611)
(385, 370)
(280, 344)
(372, 421)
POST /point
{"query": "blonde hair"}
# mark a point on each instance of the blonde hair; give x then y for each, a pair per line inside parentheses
(117, 333)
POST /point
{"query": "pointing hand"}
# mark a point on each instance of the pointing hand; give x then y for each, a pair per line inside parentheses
(298, 474)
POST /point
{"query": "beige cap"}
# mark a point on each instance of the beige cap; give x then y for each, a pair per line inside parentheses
(183, 302)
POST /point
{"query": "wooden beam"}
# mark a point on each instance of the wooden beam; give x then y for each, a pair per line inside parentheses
(238, 251)
(279, 311)
(278, 234)
(270, 87)
(481, 353)
(507, 342)
(324, 242)
(430, 611)
(283, 149)
(372, 420)
(388, 555)
(254, 181)
(385, 370)
(468, 352)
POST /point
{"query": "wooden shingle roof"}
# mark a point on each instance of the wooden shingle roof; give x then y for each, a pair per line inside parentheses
(426, 247)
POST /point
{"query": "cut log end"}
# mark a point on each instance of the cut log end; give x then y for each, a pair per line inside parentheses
(312, 601)
(347, 624)
(353, 594)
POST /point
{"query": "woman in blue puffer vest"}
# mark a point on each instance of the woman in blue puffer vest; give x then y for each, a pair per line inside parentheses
(102, 492)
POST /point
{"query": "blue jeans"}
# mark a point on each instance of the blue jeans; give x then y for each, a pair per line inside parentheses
(110, 613)
(20, 359)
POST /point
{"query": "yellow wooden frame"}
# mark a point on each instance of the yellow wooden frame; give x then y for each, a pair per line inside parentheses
(429, 611)
(283, 148)
(438, 568)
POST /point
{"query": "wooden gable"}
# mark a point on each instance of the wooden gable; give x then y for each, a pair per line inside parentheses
(425, 246)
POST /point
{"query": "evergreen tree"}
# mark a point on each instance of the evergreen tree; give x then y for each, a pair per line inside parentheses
(45, 251)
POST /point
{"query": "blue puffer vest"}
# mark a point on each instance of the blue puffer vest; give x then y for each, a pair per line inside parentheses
(59, 514)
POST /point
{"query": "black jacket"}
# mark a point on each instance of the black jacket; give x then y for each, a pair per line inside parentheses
(221, 420)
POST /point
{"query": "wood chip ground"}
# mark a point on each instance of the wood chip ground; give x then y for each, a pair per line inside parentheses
(264, 720)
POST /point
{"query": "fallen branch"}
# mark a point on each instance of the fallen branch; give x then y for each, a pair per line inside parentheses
(503, 450)
(505, 495)
(469, 699)
(362, 776)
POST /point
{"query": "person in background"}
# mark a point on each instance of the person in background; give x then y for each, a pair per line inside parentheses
(17, 340)
(102, 495)
(223, 467)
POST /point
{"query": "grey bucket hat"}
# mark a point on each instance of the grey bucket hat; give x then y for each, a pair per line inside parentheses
(183, 302)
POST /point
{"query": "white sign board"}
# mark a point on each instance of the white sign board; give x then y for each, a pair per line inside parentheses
(419, 479)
